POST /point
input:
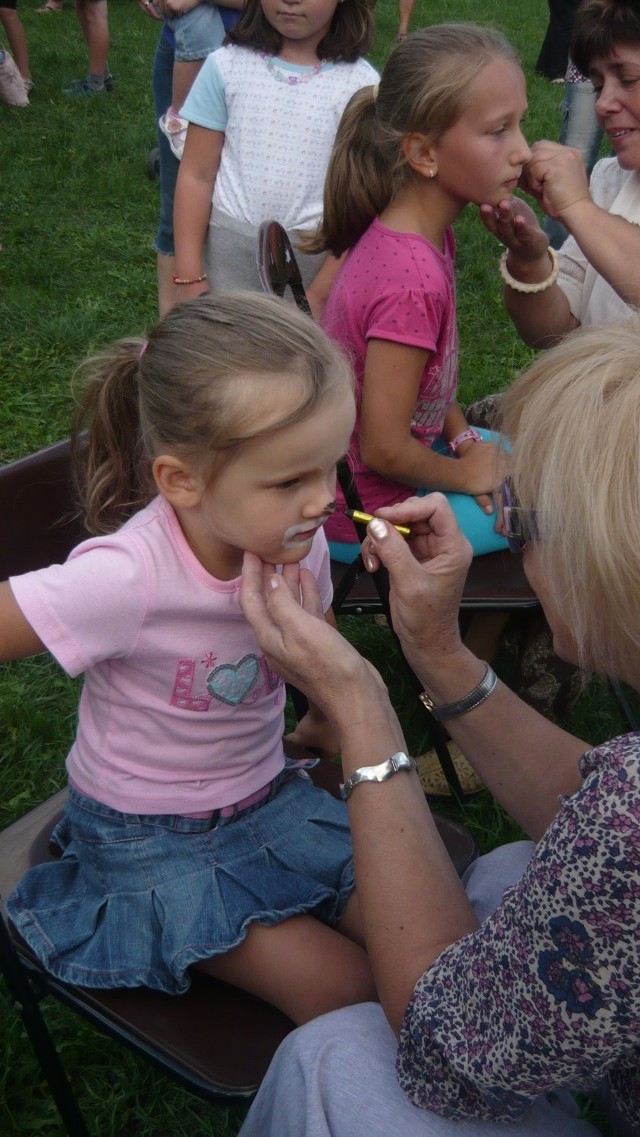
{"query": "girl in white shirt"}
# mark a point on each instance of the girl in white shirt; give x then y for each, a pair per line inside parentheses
(263, 113)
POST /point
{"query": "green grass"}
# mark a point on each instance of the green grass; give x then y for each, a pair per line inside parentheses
(77, 219)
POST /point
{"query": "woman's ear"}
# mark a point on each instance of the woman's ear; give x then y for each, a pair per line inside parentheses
(420, 155)
(176, 483)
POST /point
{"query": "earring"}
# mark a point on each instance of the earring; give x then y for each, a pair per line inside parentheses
(432, 173)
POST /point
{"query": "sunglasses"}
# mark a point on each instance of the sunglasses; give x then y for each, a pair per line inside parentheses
(518, 525)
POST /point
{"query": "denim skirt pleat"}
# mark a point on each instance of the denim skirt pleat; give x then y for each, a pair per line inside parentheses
(135, 900)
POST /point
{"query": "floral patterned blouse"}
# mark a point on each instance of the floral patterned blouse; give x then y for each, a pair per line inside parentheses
(547, 992)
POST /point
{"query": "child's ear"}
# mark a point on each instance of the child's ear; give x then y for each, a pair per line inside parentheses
(420, 155)
(176, 482)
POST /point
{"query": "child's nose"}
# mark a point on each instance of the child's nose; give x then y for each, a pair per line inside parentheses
(523, 151)
(322, 500)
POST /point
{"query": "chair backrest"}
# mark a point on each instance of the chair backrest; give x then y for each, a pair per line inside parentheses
(39, 520)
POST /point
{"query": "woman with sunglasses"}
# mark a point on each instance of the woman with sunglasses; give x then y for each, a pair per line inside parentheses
(502, 995)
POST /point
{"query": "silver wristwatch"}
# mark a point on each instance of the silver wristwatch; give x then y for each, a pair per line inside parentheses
(468, 702)
(378, 773)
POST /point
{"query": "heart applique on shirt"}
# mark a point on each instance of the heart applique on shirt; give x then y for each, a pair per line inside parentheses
(231, 682)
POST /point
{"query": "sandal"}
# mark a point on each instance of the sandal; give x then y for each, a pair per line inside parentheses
(433, 780)
(174, 127)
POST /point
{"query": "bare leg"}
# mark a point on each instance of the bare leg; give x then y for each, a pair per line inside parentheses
(167, 292)
(405, 12)
(15, 34)
(184, 72)
(301, 966)
(94, 21)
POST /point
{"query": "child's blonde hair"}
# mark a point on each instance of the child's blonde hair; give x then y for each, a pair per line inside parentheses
(424, 88)
(573, 419)
(198, 388)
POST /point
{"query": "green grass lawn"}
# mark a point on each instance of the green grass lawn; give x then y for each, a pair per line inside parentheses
(77, 219)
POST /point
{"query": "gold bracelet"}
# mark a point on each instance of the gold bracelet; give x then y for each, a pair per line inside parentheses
(519, 285)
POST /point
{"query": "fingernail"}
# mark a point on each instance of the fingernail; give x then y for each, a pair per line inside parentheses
(369, 563)
(274, 581)
(378, 528)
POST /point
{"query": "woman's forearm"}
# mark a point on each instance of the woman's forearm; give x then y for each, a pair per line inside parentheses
(410, 897)
(540, 318)
(610, 243)
(525, 761)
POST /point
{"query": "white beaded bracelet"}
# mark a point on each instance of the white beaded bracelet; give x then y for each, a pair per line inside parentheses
(539, 286)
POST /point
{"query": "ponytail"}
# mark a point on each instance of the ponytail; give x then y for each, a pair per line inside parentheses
(106, 439)
(359, 184)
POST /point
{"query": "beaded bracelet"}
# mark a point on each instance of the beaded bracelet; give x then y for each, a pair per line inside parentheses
(188, 280)
(539, 286)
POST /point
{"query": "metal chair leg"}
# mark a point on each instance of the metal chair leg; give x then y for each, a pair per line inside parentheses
(26, 1002)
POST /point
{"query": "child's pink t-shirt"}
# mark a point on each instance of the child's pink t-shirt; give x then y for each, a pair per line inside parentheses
(179, 710)
(398, 287)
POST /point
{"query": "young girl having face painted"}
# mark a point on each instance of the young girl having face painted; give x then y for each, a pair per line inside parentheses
(188, 839)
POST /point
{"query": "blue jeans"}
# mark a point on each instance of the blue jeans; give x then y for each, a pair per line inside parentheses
(580, 129)
(196, 32)
(162, 81)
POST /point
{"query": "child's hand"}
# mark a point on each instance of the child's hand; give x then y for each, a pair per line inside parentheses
(515, 225)
(485, 466)
(315, 732)
(150, 9)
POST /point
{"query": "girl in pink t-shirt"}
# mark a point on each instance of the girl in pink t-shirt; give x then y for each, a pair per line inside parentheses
(188, 839)
(442, 130)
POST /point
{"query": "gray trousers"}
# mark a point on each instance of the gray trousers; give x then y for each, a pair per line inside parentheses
(231, 251)
(335, 1077)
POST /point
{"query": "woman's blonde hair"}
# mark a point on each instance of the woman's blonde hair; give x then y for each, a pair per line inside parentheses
(213, 373)
(573, 419)
(424, 88)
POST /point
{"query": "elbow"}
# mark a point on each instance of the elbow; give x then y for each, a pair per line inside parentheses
(380, 457)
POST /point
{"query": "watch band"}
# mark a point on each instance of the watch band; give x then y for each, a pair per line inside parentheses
(378, 773)
(468, 435)
(468, 702)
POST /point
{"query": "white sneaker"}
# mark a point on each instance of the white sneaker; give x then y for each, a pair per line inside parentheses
(12, 89)
(175, 128)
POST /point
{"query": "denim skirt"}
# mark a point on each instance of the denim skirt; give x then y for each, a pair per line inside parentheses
(135, 900)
